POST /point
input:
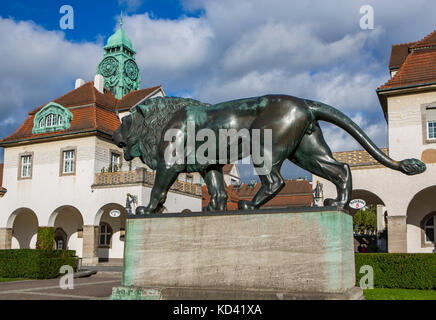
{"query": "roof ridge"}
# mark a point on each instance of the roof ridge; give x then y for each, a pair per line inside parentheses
(399, 74)
(404, 43)
(359, 150)
(62, 96)
(427, 37)
(134, 91)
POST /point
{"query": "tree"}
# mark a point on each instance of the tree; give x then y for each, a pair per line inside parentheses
(365, 220)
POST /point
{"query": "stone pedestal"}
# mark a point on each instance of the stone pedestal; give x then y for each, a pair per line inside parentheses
(90, 245)
(397, 234)
(266, 254)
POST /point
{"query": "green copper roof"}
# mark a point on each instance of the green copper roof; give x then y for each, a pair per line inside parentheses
(119, 38)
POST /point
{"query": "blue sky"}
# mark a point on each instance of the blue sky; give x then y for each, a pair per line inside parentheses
(93, 18)
(214, 50)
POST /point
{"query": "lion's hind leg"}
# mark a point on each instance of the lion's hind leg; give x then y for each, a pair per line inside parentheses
(272, 183)
(314, 155)
(215, 186)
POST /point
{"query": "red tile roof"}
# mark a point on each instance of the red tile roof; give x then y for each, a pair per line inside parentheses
(134, 97)
(296, 193)
(416, 62)
(418, 68)
(91, 109)
(399, 54)
(84, 119)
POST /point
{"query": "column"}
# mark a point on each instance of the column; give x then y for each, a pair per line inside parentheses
(397, 234)
(5, 238)
(380, 218)
(90, 245)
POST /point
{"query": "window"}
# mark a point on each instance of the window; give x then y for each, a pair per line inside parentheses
(431, 129)
(429, 229)
(68, 162)
(105, 235)
(50, 120)
(115, 162)
(52, 117)
(26, 166)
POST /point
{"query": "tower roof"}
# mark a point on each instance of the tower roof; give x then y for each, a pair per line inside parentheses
(119, 38)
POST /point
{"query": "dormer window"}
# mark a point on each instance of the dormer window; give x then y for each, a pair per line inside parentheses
(50, 120)
(53, 117)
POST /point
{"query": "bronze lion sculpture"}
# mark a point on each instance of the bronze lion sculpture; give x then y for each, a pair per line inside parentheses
(296, 136)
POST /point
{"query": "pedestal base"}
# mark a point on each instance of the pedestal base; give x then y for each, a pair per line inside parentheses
(134, 293)
(265, 254)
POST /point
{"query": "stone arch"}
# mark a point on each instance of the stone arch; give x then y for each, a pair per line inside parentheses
(117, 226)
(420, 207)
(70, 220)
(24, 224)
(60, 234)
(369, 196)
(371, 199)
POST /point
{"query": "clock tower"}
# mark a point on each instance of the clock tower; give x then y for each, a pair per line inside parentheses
(118, 67)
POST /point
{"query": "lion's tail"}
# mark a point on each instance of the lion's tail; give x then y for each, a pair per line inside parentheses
(327, 113)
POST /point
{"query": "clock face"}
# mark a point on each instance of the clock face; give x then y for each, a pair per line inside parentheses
(131, 69)
(109, 66)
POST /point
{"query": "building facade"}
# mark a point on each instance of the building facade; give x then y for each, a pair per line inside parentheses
(61, 169)
(405, 204)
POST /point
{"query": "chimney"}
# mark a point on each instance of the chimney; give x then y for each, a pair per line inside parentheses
(79, 83)
(99, 82)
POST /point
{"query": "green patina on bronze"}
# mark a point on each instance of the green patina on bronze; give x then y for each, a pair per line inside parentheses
(62, 117)
(296, 136)
(118, 67)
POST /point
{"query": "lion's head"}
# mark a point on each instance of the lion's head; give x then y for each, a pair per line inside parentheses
(140, 132)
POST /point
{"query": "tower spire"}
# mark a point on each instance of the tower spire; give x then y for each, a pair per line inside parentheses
(118, 68)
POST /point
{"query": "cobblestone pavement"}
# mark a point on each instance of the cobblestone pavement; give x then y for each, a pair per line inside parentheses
(96, 287)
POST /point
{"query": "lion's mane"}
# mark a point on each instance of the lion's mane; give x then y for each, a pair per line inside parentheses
(157, 113)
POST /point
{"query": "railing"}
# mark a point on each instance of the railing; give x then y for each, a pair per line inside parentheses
(141, 175)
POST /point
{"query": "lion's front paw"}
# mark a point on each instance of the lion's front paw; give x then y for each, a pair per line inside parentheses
(140, 211)
(334, 203)
(245, 205)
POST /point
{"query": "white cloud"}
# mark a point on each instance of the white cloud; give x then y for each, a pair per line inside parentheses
(169, 49)
(312, 49)
(132, 5)
(37, 66)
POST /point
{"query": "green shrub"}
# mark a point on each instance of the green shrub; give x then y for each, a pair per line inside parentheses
(34, 264)
(45, 238)
(399, 270)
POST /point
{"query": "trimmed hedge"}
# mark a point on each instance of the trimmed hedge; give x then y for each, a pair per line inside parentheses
(45, 238)
(34, 264)
(399, 270)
